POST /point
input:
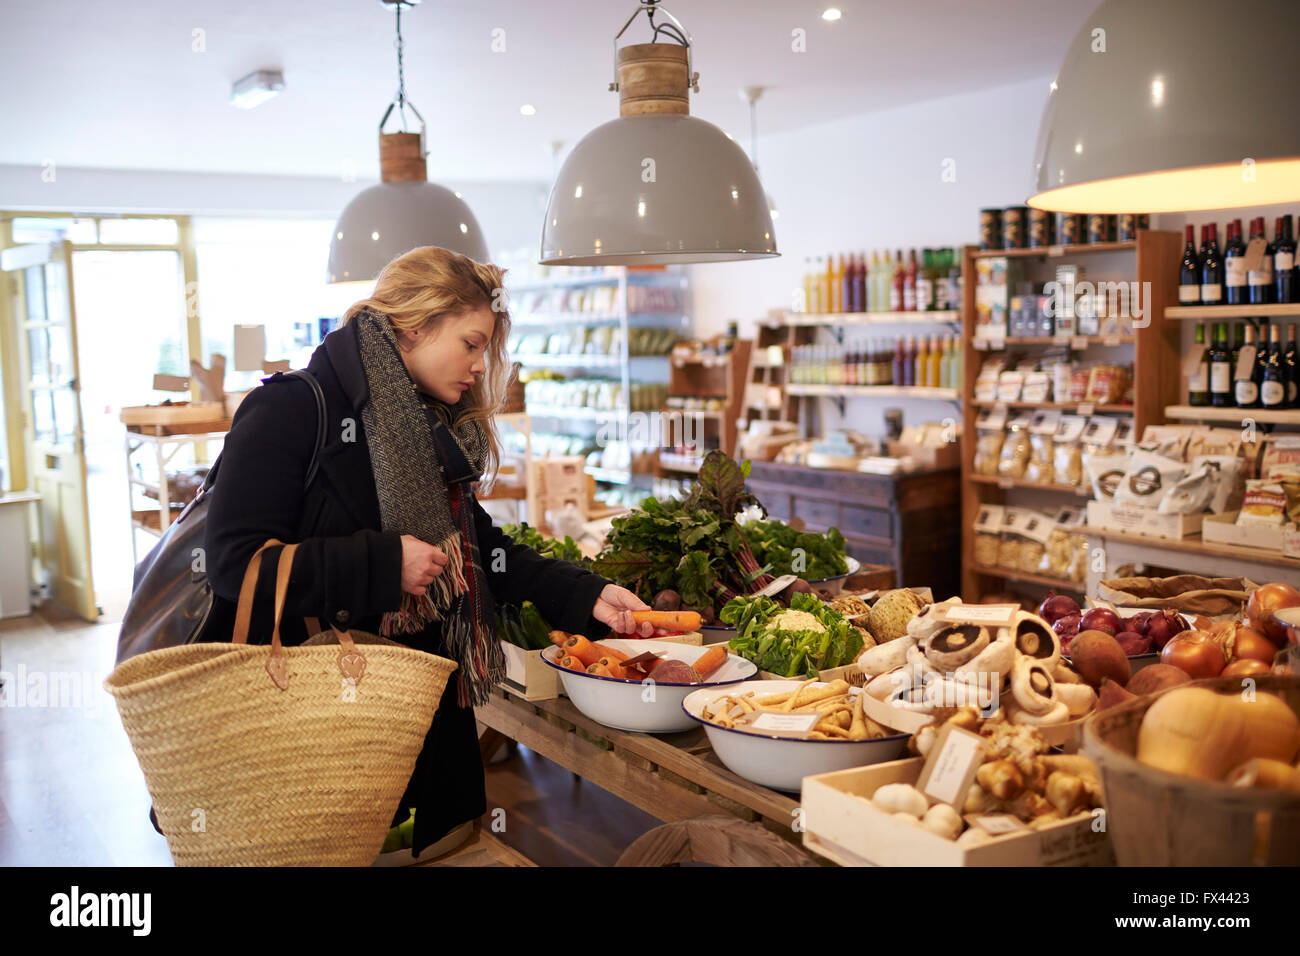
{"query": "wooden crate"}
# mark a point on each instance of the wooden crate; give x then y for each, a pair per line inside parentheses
(849, 830)
(528, 676)
(178, 413)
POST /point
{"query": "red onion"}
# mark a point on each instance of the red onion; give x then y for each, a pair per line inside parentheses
(1164, 625)
(1101, 619)
(1056, 606)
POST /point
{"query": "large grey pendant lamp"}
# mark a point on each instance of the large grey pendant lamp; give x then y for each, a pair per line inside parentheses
(657, 185)
(405, 210)
(1169, 105)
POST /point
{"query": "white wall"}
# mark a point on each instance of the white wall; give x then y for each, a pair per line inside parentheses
(509, 212)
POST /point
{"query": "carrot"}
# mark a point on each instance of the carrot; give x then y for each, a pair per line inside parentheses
(581, 648)
(710, 660)
(608, 651)
(572, 663)
(558, 637)
(670, 620)
(600, 670)
(614, 667)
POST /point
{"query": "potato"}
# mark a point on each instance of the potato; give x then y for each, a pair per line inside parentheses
(1096, 655)
(668, 600)
(1156, 677)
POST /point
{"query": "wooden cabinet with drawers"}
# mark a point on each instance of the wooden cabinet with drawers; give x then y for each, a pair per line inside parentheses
(911, 522)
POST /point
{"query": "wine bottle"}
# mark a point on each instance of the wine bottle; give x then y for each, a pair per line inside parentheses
(1211, 267)
(835, 279)
(1198, 383)
(1189, 273)
(909, 283)
(1289, 365)
(1234, 265)
(925, 282)
(942, 263)
(1272, 383)
(1246, 374)
(1260, 281)
(1220, 369)
(896, 285)
(1286, 276)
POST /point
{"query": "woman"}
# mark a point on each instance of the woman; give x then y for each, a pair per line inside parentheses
(393, 540)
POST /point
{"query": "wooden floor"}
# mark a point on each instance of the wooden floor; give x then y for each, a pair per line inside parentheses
(71, 792)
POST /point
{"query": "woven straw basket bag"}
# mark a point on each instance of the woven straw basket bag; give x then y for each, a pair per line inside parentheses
(265, 755)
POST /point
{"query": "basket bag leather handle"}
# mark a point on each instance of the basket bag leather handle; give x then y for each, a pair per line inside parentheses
(352, 662)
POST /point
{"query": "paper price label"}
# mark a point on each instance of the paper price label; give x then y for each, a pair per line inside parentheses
(1006, 482)
(952, 765)
(996, 824)
(1192, 364)
(1110, 340)
(1056, 250)
(786, 723)
(1254, 257)
(1087, 408)
(1061, 338)
(1246, 362)
(999, 615)
(1291, 543)
(1078, 343)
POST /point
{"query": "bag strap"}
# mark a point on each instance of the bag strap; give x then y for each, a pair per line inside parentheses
(352, 662)
(322, 422)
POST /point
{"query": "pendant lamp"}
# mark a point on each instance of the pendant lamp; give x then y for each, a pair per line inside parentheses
(1170, 105)
(751, 94)
(405, 210)
(657, 185)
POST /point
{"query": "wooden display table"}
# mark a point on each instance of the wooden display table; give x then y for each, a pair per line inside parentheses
(673, 777)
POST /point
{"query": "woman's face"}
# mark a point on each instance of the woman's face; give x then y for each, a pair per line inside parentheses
(448, 359)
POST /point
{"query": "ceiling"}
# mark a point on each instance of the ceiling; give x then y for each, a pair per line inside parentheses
(132, 85)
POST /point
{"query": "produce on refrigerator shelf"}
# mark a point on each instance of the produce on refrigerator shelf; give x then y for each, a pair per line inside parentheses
(803, 639)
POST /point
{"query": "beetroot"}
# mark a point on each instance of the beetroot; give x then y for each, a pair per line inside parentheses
(1101, 619)
(1056, 606)
(1111, 694)
(1066, 627)
(1134, 643)
(1138, 622)
(1164, 625)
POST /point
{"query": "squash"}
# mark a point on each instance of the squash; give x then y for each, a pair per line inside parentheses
(1199, 733)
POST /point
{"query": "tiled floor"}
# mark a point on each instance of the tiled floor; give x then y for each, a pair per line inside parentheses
(71, 792)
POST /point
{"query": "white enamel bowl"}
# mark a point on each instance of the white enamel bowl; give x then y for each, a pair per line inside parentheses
(835, 585)
(651, 707)
(780, 762)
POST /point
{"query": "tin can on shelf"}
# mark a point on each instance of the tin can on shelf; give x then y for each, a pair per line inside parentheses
(1073, 229)
(1101, 228)
(990, 228)
(1130, 223)
(1015, 227)
(1042, 228)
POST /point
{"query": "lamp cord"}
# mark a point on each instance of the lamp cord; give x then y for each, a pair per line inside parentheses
(401, 73)
(668, 28)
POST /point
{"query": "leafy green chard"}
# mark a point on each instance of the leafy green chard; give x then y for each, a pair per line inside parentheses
(693, 546)
(525, 534)
(810, 555)
(761, 637)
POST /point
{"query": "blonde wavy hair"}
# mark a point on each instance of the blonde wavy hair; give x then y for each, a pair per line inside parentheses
(419, 290)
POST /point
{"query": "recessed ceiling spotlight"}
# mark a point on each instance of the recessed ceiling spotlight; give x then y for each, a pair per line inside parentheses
(527, 109)
(831, 13)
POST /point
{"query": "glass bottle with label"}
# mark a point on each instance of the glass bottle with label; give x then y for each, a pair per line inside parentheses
(1290, 370)
(1221, 368)
(1286, 275)
(1273, 379)
(1260, 281)
(1246, 376)
(1198, 383)
(1234, 266)
(1189, 273)
(896, 285)
(1211, 267)
(909, 283)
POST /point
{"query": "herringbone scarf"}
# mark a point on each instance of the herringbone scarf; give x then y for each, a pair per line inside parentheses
(425, 455)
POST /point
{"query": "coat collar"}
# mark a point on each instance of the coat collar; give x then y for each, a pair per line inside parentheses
(343, 349)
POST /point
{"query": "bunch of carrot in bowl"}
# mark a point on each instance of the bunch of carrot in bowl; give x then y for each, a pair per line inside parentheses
(577, 653)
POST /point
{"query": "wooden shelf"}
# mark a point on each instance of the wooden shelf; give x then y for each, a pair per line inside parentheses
(571, 361)
(1193, 544)
(1267, 416)
(1070, 340)
(1052, 252)
(1021, 483)
(1232, 311)
(939, 317)
(576, 411)
(1063, 406)
(1043, 579)
(876, 391)
(681, 463)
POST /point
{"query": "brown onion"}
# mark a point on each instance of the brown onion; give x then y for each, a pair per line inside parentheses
(1196, 652)
(1266, 599)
